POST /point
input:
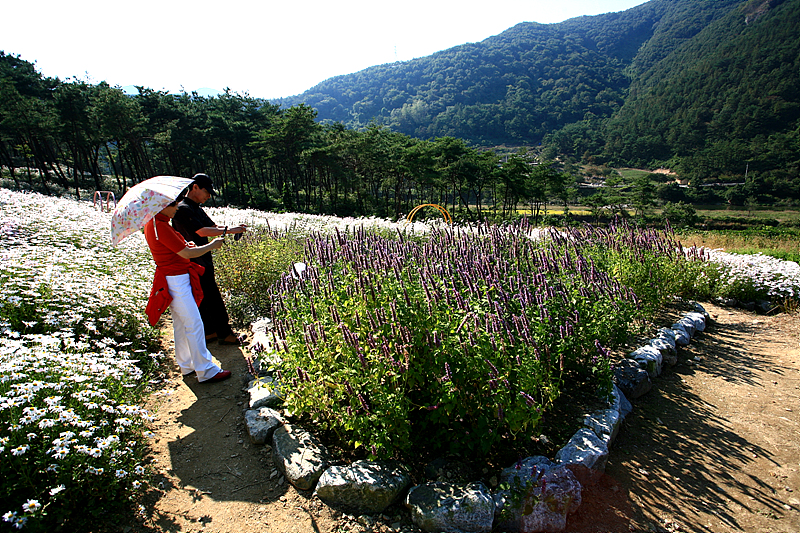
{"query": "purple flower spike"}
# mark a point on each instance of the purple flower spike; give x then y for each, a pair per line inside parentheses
(364, 403)
(605, 353)
(493, 372)
(529, 400)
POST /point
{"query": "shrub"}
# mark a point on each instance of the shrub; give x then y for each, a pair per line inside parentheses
(679, 215)
(246, 269)
(394, 343)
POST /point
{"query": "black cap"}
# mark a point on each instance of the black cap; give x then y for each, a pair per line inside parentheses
(204, 182)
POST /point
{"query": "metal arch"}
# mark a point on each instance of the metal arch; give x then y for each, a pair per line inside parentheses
(442, 211)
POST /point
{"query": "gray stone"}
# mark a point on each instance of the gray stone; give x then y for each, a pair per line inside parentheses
(688, 325)
(299, 456)
(605, 424)
(764, 306)
(584, 448)
(668, 335)
(632, 380)
(525, 469)
(697, 308)
(682, 336)
(264, 392)
(437, 506)
(669, 353)
(728, 302)
(538, 503)
(364, 487)
(698, 320)
(649, 358)
(662, 345)
(261, 424)
(620, 403)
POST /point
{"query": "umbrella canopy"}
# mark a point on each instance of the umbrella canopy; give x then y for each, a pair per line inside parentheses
(142, 202)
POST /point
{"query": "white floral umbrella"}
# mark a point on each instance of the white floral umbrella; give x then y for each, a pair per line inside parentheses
(142, 202)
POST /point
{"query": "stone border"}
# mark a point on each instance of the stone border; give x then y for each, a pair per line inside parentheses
(544, 492)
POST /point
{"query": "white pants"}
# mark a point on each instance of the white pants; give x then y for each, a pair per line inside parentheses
(191, 352)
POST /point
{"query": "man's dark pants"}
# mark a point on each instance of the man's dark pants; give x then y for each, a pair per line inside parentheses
(212, 308)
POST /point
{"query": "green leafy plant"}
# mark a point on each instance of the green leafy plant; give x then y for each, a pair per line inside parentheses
(396, 344)
(246, 269)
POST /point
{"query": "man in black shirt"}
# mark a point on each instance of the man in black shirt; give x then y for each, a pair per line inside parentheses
(195, 225)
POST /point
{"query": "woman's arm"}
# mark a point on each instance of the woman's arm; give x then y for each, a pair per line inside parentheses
(191, 252)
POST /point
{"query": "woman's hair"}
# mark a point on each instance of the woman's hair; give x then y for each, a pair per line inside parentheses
(178, 200)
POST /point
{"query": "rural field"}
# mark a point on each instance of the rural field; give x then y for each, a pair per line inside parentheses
(95, 411)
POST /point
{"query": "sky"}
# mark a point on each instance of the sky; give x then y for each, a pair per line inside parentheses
(265, 49)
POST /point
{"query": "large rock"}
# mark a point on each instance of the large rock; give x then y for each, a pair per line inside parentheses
(299, 455)
(584, 448)
(689, 325)
(698, 320)
(682, 336)
(765, 307)
(605, 424)
(363, 487)
(665, 343)
(632, 380)
(620, 403)
(537, 497)
(700, 309)
(649, 358)
(264, 392)
(438, 506)
(727, 302)
(261, 424)
(525, 469)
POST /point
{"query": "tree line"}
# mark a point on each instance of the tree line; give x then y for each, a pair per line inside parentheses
(82, 137)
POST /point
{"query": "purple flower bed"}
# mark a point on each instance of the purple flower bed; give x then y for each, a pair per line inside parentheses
(394, 342)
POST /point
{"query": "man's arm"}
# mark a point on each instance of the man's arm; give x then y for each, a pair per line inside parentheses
(216, 231)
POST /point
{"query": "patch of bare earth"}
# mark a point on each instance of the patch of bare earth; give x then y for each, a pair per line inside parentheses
(713, 447)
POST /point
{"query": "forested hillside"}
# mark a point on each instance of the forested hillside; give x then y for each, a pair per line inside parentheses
(517, 86)
(707, 86)
(722, 102)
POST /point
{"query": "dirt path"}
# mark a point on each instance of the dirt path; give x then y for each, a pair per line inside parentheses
(713, 447)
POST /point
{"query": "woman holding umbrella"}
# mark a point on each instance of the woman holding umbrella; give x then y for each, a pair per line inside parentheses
(152, 204)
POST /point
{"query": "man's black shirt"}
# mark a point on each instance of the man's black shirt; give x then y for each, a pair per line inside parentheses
(189, 218)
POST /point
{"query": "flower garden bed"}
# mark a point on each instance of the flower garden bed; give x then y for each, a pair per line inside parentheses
(73, 436)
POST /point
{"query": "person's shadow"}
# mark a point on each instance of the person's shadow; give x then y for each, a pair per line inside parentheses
(210, 452)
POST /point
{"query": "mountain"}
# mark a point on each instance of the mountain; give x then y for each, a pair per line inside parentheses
(661, 80)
